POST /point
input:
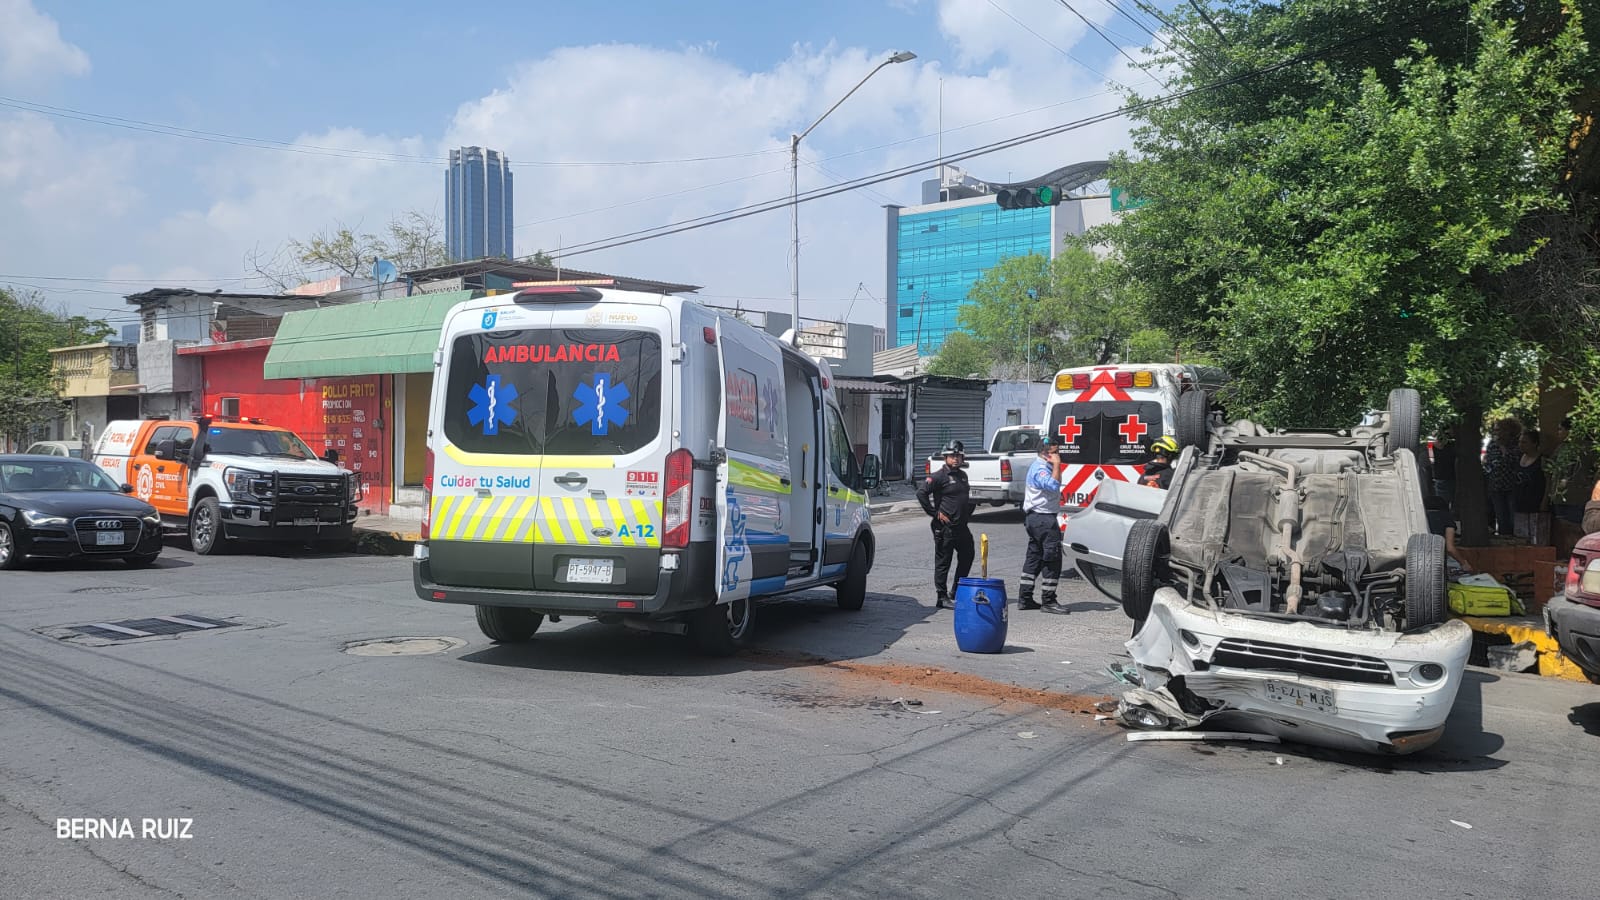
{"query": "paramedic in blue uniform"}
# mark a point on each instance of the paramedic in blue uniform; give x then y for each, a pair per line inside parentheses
(946, 496)
(1041, 508)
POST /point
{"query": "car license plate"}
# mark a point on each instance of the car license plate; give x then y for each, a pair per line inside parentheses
(108, 539)
(1303, 696)
(305, 520)
(589, 571)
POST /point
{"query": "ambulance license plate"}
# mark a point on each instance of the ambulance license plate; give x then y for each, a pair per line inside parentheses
(589, 571)
(108, 539)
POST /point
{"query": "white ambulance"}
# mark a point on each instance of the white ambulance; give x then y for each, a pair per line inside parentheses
(1109, 415)
(634, 457)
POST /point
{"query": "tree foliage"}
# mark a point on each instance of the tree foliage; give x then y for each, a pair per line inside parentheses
(1033, 315)
(961, 355)
(414, 240)
(29, 329)
(1352, 221)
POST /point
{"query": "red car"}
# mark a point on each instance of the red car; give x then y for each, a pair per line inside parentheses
(1573, 616)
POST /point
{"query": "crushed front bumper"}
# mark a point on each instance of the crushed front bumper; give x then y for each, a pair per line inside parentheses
(1370, 691)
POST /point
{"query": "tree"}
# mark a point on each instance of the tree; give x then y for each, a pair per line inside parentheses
(961, 356)
(1349, 223)
(29, 393)
(1033, 315)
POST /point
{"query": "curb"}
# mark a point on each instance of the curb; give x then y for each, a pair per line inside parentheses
(1529, 629)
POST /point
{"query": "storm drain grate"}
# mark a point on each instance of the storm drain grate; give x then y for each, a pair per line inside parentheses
(129, 629)
(110, 589)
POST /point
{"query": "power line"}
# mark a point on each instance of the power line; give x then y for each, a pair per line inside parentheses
(1041, 37)
(1114, 45)
(709, 219)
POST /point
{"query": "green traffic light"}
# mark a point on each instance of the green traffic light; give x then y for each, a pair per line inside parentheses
(1047, 195)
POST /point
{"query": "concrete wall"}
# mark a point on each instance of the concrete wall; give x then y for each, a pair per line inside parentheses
(1004, 396)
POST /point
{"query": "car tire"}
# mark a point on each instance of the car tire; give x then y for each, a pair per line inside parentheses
(1144, 560)
(852, 591)
(722, 628)
(1405, 420)
(141, 560)
(1194, 409)
(10, 556)
(508, 624)
(1426, 587)
(206, 536)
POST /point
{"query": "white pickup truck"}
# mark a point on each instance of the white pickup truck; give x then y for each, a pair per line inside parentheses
(999, 476)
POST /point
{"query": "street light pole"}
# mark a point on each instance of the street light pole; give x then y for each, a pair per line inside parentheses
(794, 186)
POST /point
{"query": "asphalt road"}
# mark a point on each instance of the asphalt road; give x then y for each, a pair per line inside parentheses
(600, 762)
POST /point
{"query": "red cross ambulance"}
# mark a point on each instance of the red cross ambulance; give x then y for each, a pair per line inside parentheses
(1109, 416)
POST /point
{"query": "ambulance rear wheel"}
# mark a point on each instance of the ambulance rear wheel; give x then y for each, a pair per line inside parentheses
(508, 624)
(721, 629)
(852, 591)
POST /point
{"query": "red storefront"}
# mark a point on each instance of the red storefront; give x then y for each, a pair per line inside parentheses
(346, 413)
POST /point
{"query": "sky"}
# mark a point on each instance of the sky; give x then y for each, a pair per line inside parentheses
(167, 143)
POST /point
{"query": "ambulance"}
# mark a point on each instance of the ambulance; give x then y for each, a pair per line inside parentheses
(1109, 415)
(636, 458)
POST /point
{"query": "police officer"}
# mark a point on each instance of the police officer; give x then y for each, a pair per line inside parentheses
(946, 496)
(1041, 508)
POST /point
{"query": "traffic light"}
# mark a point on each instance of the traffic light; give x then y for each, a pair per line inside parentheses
(1028, 198)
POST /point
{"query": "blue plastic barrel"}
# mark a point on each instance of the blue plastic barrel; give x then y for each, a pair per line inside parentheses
(981, 615)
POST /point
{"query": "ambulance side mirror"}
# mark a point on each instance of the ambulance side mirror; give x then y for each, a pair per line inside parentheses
(871, 472)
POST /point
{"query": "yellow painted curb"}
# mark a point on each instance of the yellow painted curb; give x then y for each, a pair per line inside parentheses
(1552, 664)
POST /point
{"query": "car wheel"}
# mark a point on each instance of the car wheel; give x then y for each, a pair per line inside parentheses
(141, 560)
(852, 591)
(205, 528)
(1144, 560)
(1405, 420)
(508, 624)
(10, 556)
(1194, 408)
(721, 629)
(1426, 590)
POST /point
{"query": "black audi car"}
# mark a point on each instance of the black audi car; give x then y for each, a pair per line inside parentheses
(60, 508)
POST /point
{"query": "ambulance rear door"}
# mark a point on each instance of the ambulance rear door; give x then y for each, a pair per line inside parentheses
(754, 488)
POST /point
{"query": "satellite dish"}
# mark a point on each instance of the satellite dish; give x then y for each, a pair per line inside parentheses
(384, 271)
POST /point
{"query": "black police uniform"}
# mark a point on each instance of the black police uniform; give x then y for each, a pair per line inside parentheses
(947, 491)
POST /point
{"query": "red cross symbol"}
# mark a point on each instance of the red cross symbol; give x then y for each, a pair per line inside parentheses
(1133, 429)
(1070, 429)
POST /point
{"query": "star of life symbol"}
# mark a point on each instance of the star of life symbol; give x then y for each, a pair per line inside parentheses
(600, 404)
(736, 546)
(1070, 429)
(492, 404)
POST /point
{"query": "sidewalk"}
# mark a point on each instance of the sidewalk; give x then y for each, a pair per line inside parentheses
(404, 523)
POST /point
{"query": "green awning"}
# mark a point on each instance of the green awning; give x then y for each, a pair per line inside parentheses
(379, 337)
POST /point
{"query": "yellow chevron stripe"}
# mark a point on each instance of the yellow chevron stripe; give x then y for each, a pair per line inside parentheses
(476, 520)
(518, 518)
(619, 520)
(441, 508)
(453, 530)
(574, 522)
(551, 520)
(497, 519)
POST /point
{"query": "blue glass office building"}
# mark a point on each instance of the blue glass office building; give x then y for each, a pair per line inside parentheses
(937, 250)
(477, 199)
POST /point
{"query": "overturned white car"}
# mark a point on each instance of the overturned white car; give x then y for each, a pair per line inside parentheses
(1287, 584)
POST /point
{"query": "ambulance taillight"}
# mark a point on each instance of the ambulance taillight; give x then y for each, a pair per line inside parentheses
(677, 510)
(427, 493)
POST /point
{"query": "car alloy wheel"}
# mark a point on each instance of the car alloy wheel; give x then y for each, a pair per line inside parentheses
(8, 548)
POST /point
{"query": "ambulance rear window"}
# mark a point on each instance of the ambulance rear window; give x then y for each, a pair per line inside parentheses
(561, 390)
(1108, 433)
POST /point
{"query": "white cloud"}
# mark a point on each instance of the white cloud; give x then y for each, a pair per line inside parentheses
(31, 47)
(617, 103)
